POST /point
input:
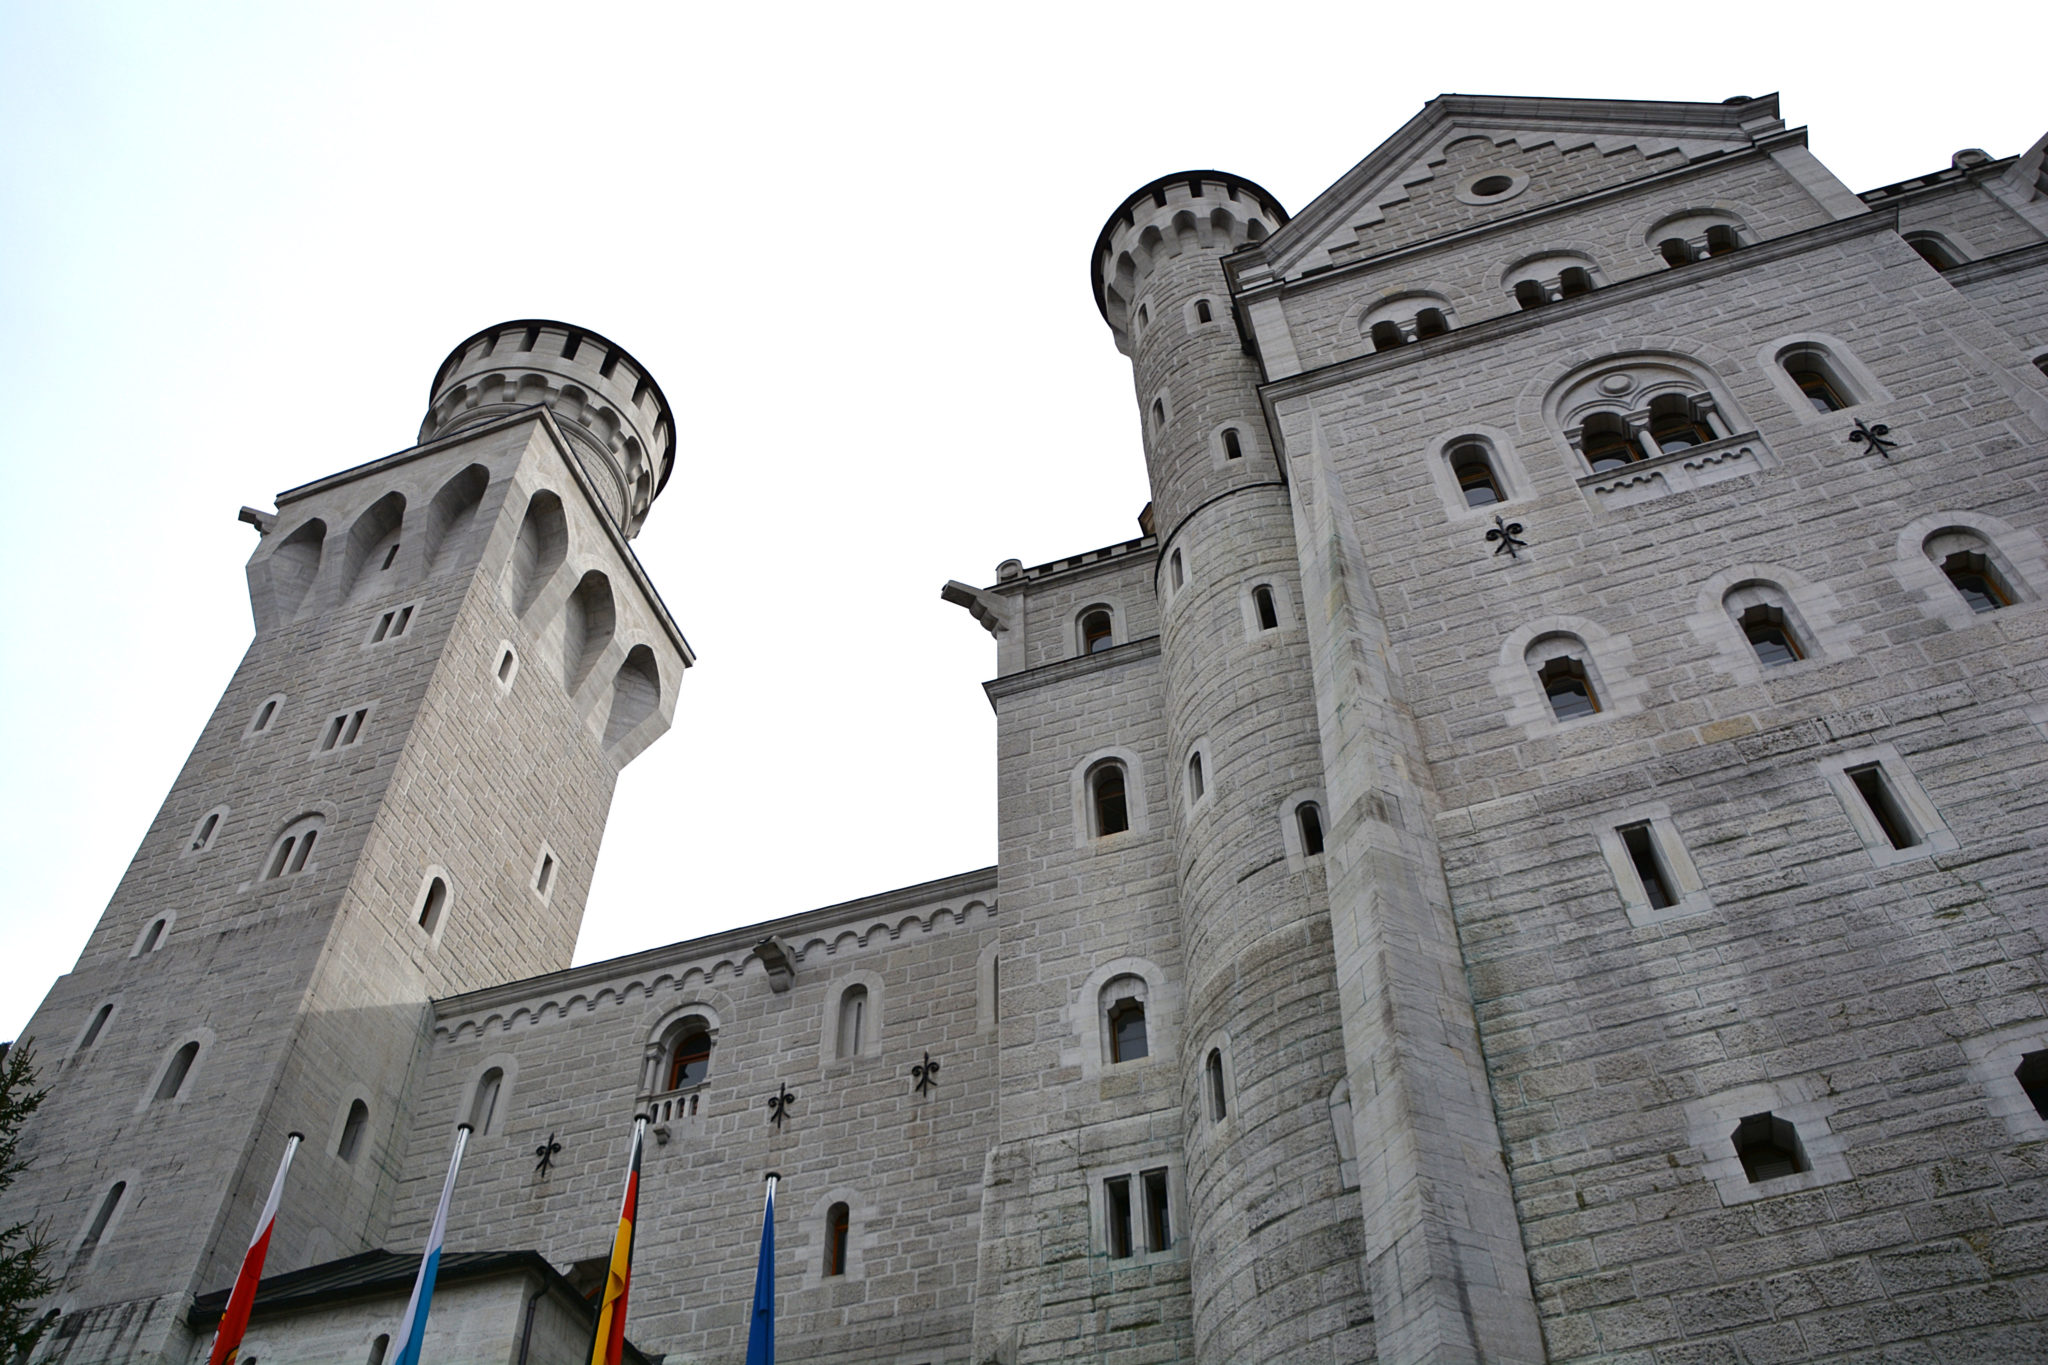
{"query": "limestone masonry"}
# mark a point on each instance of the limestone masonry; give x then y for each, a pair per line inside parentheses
(1535, 853)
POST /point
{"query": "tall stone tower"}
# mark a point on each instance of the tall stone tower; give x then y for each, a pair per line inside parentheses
(400, 796)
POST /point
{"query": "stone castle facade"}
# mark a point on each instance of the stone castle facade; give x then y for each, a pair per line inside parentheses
(1535, 853)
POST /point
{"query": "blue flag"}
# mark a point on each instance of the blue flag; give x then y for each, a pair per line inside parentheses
(412, 1332)
(761, 1331)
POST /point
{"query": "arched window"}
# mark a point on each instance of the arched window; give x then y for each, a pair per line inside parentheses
(1124, 1015)
(1531, 293)
(853, 1022)
(1212, 1078)
(1965, 559)
(1934, 250)
(294, 848)
(1574, 281)
(92, 1030)
(1473, 469)
(1233, 449)
(1106, 797)
(1769, 1147)
(432, 903)
(1676, 424)
(1606, 443)
(1430, 322)
(352, 1131)
(154, 938)
(174, 1075)
(689, 1057)
(1262, 605)
(1386, 335)
(838, 1223)
(1097, 632)
(483, 1107)
(1816, 383)
(1721, 240)
(265, 714)
(1202, 310)
(2032, 1074)
(1179, 572)
(1565, 682)
(1770, 635)
(1158, 416)
(379, 1347)
(1195, 783)
(1309, 818)
(108, 1205)
(202, 838)
(1675, 251)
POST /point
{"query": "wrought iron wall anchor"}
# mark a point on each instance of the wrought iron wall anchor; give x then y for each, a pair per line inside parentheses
(1875, 436)
(926, 1074)
(1507, 533)
(779, 1103)
(547, 1152)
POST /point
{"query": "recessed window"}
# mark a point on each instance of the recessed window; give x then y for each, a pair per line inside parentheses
(1386, 335)
(379, 1347)
(1531, 293)
(1490, 186)
(1179, 572)
(1568, 688)
(1770, 635)
(1158, 1222)
(2041, 363)
(1675, 425)
(2032, 1074)
(1816, 381)
(265, 714)
(1233, 449)
(1934, 250)
(108, 1205)
(1976, 580)
(344, 729)
(1212, 1084)
(1675, 251)
(1127, 1037)
(391, 624)
(202, 838)
(1607, 443)
(352, 1131)
(1195, 783)
(1097, 632)
(1202, 310)
(1309, 819)
(293, 851)
(1262, 606)
(153, 939)
(1769, 1148)
(1721, 240)
(92, 1030)
(432, 902)
(1106, 791)
(689, 1058)
(483, 1106)
(1430, 322)
(1473, 469)
(1641, 846)
(544, 875)
(508, 664)
(390, 556)
(1158, 415)
(173, 1079)
(838, 1223)
(1574, 281)
(1876, 790)
(1116, 1201)
(853, 1019)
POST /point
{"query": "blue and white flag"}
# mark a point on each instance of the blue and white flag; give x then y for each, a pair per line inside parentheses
(761, 1331)
(412, 1331)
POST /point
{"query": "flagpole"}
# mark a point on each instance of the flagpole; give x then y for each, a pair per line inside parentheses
(608, 1329)
(234, 1319)
(761, 1329)
(412, 1329)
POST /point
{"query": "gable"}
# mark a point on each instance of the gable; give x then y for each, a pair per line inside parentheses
(1466, 160)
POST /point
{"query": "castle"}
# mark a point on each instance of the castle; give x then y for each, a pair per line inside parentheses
(1536, 851)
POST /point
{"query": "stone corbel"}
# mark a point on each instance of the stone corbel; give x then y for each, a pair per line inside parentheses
(780, 962)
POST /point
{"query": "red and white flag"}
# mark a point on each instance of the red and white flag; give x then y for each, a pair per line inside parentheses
(234, 1319)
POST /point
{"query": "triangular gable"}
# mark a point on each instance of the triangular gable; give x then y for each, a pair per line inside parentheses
(1412, 157)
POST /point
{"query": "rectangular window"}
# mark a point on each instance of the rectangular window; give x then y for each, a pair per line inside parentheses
(1884, 804)
(344, 729)
(1158, 1223)
(1642, 854)
(1116, 1201)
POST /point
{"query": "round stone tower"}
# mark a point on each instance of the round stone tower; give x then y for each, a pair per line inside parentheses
(605, 402)
(1277, 1242)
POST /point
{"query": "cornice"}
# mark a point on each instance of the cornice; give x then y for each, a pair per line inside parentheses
(1064, 670)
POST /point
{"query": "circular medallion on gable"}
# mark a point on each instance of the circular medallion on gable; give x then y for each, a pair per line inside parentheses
(1492, 187)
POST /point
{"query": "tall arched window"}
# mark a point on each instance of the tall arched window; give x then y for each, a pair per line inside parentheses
(689, 1057)
(853, 1021)
(379, 1347)
(432, 903)
(483, 1107)
(1262, 606)
(1098, 631)
(1233, 448)
(1124, 1014)
(154, 939)
(1570, 691)
(1196, 784)
(1212, 1080)
(1202, 310)
(838, 1225)
(92, 1030)
(1309, 819)
(1472, 467)
(1106, 798)
(104, 1216)
(174, 1075)
(352, 1131)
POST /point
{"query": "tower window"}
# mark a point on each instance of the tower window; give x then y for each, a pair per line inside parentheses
(1574, 281)
(1127, 1039)
(690, 1059)
(1721, 240)
(1386, 335)
(1202, 310)
(352, 1131)
(1179, 572)
(507, 662)
(1770, 636)
(1569, 689)
(1871, 784)
(432, 904)
(174, 1075)
(483, 1108)
(838, 1223)
(1262, 604)
(100, 1221)
(1158, 415)
(1816, 381)
(1676, 426)
(1676, 251)
(379, 1347)
(1769, 1148)
(1309, 817)
(1475, 476)
(2033, 1078)
(207, 828)
(1606, 443)
(1158, 1222)
(344, 729)
(1430, 322)
(544, 875)
(1106, 787)
(1116, 1199)
(294, 848)
(1195, 784)
(1233, 449)
(391, 625)
(1212, 1075)
(154, 939)
(1976, 580)
(1531, 294)
(264, 715)
(853, 1012)
(92, 1030)
(1934, 251)
(1097, 632)
(389, 556)
(1642, 854)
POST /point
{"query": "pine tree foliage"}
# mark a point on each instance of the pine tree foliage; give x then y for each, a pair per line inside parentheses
(24, 1275)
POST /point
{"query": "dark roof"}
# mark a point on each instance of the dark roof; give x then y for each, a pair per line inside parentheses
(383, 1272)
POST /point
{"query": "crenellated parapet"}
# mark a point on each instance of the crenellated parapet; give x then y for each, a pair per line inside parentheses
(604, 401)
(1208, 211)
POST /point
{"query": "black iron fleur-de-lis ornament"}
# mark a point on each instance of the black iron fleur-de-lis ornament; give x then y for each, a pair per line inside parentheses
(1508, 534)
(779, 1103)
(547, 1152)
(1874, 437)
(925, 1073)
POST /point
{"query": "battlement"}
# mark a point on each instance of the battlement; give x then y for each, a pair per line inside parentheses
(605, 401)
(1201, 210)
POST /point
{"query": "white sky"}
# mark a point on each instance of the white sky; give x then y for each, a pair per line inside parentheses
(850, 241)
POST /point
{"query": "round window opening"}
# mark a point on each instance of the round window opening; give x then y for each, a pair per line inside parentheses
(1491, 185)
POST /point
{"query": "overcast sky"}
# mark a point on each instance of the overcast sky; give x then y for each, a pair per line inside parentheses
(850, 241)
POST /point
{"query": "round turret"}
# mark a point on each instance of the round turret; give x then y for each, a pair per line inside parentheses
(1213, 210)
(604, 401)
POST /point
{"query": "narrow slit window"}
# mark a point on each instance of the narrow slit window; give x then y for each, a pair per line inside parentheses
(174, 1075)
(1643, 856)
(544, 879)
(1310, 818)
(332, 736)
(838, 1223)
(1127, 1039)
(1976, 580)
(2032, 1074)
(280, 859)
(92, 1030)
(505, 666)
(1769, 1148)
(1212, 1072)
(100, 1221)
(1876, 791)
(1770, 636)
(1097, 632)
(352, 1131)
(1112, 814)
(379, 1347)
(1158, 415)
(1116, 1199)
(853, 1018)
(1476, 479)
(432, 904)
(383, 627)
(154, 939)
(1158, 1218)
(1262, 603)
(305, 851)
(1195, 783)
(1180, 576)
(389, 556)
(206, 831)
(354, 729)
(1202, 310)
(264, 716)
(1233, 448)
(483, 1109)
(1569, 689)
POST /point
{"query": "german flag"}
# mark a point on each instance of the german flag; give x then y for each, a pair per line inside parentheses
(608, 1342)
